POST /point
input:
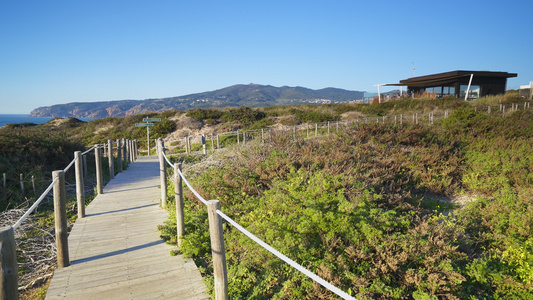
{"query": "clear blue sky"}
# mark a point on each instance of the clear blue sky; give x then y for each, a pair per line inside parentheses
(55, 52)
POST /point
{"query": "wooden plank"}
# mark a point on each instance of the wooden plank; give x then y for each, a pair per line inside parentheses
(116, 251)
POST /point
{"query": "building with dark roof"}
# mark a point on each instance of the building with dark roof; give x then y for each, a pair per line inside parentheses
(457, 83)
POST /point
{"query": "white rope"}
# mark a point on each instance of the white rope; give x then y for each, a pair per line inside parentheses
(191, 188)
(92, 148)
(168, 161)
(291, 262)
(32, 208)
(69, 165)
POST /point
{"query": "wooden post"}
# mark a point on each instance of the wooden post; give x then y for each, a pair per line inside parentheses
(316, 129)
(111, 160)
(213, 142)
(262, 135)
(401, 119)
(218, 141)
(217, 250)
(80, 185)
(204, 146)
(60, 217)
(124, 149)
(489, 110)
(119, 156)
(238, 138)
(244, 138)
(33, 184)
(136, 149)
(22, 183)
(4, 181)
(162, 172)
(307, 130)
(85, 166)
(8, 264)
(98, 162)
(178, 194)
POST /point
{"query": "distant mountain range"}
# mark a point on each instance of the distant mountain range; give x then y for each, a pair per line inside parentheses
(251, 95)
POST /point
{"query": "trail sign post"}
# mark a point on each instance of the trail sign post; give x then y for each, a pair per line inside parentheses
(148, 124)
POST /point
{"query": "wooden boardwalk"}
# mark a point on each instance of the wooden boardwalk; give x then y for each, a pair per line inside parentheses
(116, 252)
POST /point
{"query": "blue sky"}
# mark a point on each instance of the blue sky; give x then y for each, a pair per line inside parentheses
(55, 52)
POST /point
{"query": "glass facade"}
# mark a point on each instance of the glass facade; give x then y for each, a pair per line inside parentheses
(475, 91)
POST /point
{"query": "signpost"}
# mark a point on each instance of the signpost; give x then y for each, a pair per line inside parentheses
(148, 124)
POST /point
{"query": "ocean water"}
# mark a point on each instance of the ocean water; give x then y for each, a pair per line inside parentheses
(18, 118)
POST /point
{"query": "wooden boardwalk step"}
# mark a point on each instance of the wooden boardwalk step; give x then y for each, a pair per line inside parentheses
(116, 252)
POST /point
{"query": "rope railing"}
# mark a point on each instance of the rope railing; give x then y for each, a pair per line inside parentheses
(69, 165)
(263, 244)
(291, 262)
(34, 206)
(91, 149)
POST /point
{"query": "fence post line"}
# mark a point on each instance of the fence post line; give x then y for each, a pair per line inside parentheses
(178, 193)
(111, 160)
(8, 264)
(218, 250)
(80, 186)
(119, 156)
(98, 162)
(162, 172)
(60, 217)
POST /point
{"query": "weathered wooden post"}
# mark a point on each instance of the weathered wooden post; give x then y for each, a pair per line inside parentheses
(22, 183)
(204, 145)
(489, 110)
(80, 185)
(218, 141)
(33, 184)
(124, 149)
(238, 138)
(111, 160)
(316, 129)
(213, 142)
(119, 156)
(60, 217)
(217, 250)
(135, 149)
(98, 163)
(162, 172)
(8, 264)
(4, 181)
(262, 135)
(328, 127)
(244, 138)
(85, 165)
(178, 193)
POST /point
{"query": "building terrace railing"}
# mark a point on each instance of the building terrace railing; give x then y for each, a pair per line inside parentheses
(8, 254)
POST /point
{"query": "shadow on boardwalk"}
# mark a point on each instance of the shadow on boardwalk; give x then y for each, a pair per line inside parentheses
(116, 251)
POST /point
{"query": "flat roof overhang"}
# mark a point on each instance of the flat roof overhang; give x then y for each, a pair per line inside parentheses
(448, 78)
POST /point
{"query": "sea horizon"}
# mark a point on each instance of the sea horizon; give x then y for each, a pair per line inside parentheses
(26, 118)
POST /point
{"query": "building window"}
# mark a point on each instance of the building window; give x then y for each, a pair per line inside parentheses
(475, 91)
